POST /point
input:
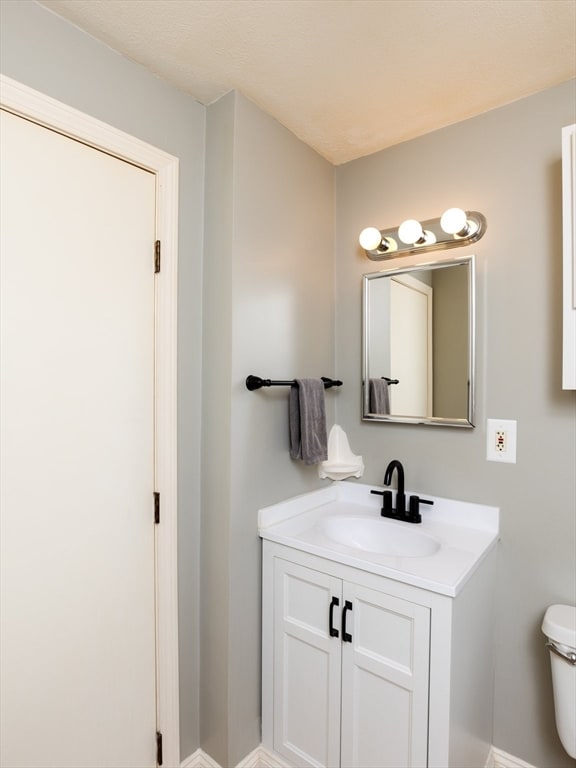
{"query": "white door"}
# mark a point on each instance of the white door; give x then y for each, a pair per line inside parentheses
(410, 346)
(385, 674)
(307, 665)
(77, 455)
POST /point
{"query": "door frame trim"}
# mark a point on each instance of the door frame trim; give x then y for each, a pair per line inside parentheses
(44, 110)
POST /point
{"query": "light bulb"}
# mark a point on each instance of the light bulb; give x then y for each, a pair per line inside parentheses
(410, 231)
(370, 238)
(455, 222)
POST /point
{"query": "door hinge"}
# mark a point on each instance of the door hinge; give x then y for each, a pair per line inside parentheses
(156, 507)
(158, 748)
(157, 256)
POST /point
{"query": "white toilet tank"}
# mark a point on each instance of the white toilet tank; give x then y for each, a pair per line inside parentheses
(559, 626)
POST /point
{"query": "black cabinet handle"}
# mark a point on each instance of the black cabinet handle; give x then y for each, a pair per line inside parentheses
(346, 637)
(334, 604)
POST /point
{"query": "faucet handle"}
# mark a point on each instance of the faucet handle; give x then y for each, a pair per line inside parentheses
(386, 500)
(414, 508)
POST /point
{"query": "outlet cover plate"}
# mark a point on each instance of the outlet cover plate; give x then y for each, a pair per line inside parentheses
(507, 429)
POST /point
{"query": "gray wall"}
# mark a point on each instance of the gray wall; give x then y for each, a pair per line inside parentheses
(505, 163)
(450, 343)
(46, 53)
(268, 292)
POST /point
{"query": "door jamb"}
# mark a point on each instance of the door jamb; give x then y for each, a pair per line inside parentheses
(44, 110)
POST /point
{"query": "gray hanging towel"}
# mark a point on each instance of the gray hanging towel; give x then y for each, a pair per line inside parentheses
(379, 396)
(307, 417)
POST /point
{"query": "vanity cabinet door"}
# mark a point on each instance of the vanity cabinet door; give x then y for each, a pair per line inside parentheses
(385, 681)
(307, 660)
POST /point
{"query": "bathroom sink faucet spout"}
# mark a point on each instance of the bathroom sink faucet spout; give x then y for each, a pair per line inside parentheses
(400, 497)
(410, 515)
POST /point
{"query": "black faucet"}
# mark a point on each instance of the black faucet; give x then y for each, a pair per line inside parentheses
(400, 510)
(410, 515)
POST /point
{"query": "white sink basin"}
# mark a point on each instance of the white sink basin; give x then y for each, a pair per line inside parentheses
(378, 535)
(342, 523)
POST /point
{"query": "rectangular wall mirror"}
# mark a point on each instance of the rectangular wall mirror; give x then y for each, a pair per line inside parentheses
(418, 344)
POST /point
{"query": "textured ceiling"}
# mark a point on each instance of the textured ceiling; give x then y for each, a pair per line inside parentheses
(349, 77)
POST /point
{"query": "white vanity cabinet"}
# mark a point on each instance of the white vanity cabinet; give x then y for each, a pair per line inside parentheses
(362, 671)
(350, 672)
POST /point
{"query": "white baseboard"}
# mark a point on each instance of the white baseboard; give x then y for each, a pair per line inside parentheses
(261, 758)
(199, 760)
(501, 759)
(258, 758)
(490, 759)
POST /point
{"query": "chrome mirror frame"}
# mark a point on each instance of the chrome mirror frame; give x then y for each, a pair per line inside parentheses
(468, 422)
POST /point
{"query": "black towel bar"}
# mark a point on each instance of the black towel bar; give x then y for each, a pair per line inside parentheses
(390, 381)
(255, 382)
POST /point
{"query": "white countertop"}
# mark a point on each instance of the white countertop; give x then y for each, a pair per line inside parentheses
(466, 532)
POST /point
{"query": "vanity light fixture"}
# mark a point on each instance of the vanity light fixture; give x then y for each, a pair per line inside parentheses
(372, 241)
(456, 227)
(411, 232)
(455, 222)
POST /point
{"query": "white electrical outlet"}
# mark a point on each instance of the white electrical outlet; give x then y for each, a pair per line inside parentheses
(501, 440)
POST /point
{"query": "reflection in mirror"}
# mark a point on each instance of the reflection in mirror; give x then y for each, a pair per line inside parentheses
(418, 350)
